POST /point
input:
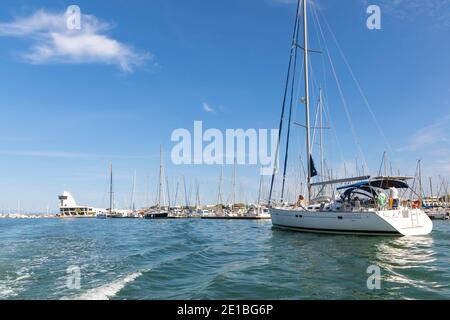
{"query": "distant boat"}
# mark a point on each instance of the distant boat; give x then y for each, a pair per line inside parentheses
(119, 215)
(258, 212)
(156, 215)
(134, 215)
(101, 215)
(159, 212)
(202, 211)
(110, 212)
(361, 207)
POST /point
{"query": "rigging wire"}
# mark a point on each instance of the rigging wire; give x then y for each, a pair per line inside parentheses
(358, 85)
(325, 103)
(288, 76)
(291, 105)
(341, 93)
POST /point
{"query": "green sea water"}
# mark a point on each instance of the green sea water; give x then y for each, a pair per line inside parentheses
(213, 259)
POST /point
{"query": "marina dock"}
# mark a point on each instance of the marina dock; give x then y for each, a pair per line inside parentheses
(26, 216)
(236, 217)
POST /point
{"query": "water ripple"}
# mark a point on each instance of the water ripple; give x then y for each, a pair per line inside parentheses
(207, 259)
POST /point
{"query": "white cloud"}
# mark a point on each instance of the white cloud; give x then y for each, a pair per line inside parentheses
(207, 107)
(430, 135)
(431, 145)
(53, 42)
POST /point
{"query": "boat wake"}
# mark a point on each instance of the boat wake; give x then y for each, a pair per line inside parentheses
(109, 290)
(12, 286)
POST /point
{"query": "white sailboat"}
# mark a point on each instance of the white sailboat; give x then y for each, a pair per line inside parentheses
(132, 212)
(259, 210)
(359, 208)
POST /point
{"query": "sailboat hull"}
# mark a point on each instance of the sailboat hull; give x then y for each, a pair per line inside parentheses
(156, 215)
(388, 222)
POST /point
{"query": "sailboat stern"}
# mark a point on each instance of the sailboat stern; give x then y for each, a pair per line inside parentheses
(408, 222)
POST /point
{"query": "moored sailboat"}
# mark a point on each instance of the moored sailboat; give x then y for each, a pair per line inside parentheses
(159, 212)
(359, 208)
(108, 213)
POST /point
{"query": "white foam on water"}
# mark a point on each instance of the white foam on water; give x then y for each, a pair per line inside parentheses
(11, 286)
(6, 292)
(24, 277)
(109, 290)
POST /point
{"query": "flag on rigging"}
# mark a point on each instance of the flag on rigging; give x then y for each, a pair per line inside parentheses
(313, 171)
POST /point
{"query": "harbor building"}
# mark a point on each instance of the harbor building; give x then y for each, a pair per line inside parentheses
(69, 208)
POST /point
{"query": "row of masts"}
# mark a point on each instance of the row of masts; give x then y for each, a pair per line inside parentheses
(163, 197)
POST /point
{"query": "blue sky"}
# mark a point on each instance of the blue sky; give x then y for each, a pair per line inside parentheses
(155, 66)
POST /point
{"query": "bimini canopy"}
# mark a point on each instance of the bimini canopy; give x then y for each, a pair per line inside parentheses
(364, 191)
(380, 182)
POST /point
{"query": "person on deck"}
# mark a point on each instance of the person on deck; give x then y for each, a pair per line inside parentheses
(301, 202)
(394, 197)
(357, 203)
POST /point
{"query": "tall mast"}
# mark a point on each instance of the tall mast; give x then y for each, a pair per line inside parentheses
(431, 189)
(160, 177)
(234, 184)
(357, 166)
(175, 201)
(291, 105)
(147, 182)
(186, 200)
(111, 190)
(133, 191)
(190, 194)
(322, 163)
(420, 181)
(168, 193)
(219, 191)
(446, 195)
(260, 189)
(197, 196)
(306, 64)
